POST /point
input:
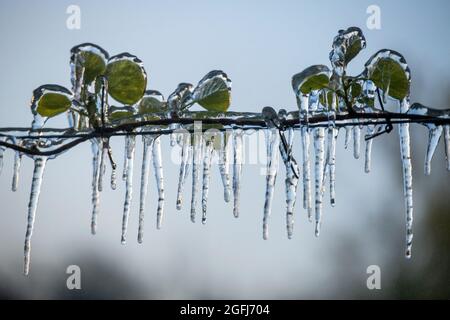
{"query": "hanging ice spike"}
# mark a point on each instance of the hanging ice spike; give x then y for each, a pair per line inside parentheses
(273, 142)
(39, 167)
(147, 142)
(130, 143)
(186, 154)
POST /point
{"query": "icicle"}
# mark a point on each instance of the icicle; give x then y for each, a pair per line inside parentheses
(319, 145)
(447, 145)
(224, 166)
(291, 182)
(368, 154)
(158, 167)
(113, 178)
(272, 168)
(307, 202)
(130, 144)
(2, 152)
(434, 135)
(356, 142)
(209, 144)
(95, 190)
(126, 157)
(17, 164)
(331, 162)
(104, 154)
(348, 136)
(196, 162)
(405, 151)
(186, 146)
(39, 167)
(147, 144)
(237, 169)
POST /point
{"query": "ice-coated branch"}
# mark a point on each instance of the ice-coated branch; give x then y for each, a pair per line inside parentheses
(68, 138)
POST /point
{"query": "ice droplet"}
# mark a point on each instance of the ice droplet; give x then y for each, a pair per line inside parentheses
(104, 154)
(434, 135)
(39, 167)
(130, 150)
(271, 176)
(147, 141)
(237, 169)
(405, 151)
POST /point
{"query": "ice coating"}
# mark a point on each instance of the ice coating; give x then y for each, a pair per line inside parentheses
(39, 167)
(343, 44)
(213, 81)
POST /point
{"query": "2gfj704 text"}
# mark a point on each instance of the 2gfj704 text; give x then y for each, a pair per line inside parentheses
(244, 310)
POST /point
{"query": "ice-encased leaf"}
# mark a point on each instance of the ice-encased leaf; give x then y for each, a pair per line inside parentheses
(346, 45)
(312, 78)
(177, 100)
(213, 92)
(127, 78)
(50, 100)
(120, 113)
(89, 61)
(389, 71)
(152, 102)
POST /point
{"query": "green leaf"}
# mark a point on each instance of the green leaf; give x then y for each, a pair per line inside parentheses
(51, 100)
(120, 113)
(152, 102)
(389, 71)
(328, 102)
(127, 79)
(213, 92)
(90, 57)
(346, 45)
(312, 78)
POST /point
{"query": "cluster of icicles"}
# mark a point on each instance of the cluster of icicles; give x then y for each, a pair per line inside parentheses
(198, 152)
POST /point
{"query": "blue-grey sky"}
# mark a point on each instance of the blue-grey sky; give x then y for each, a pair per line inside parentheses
(260, 44)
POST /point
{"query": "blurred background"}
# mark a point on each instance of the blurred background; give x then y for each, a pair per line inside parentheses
(260, 44)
